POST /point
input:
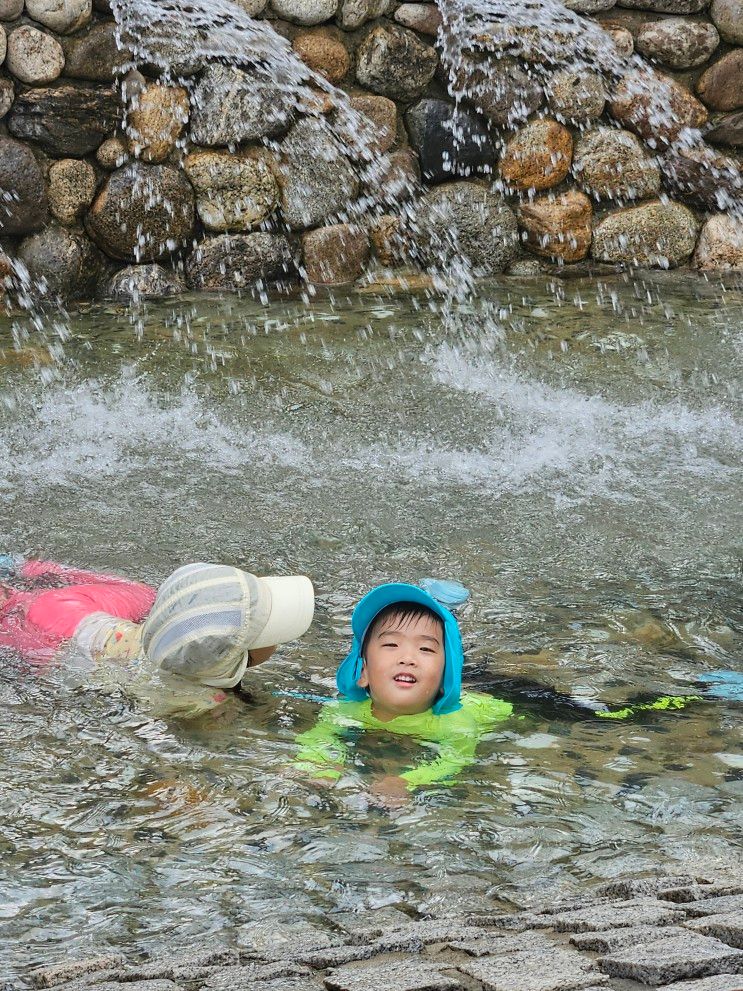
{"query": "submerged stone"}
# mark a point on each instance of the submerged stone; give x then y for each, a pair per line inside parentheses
(144, 282)
(450, 142)
(143, 212)
(68, 120)
(239, 261)
(673, 958)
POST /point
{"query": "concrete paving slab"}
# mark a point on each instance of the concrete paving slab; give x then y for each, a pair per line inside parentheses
(270, 942)
(615, 915)
(615, 939)
(400, 975)
(247, 976)
(427, 932)
(561, 970)
(530, 941)
(672, 959)
(645, 886)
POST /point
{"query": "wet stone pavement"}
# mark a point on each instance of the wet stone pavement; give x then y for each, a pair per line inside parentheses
(684, 933)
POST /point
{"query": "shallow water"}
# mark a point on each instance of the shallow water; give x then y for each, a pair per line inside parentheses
(575, 461)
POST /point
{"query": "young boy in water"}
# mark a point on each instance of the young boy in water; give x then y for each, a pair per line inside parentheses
(177, 648)
(403, 675)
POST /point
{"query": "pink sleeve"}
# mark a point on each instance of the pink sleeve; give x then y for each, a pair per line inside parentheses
(73, 576)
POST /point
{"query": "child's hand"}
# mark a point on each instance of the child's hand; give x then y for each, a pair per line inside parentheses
(390, 791)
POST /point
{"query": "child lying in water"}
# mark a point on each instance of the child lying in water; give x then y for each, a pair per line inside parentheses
(404, 675)
(177, 648)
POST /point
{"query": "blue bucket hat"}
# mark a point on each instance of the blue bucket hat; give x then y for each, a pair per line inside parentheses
(364, 615)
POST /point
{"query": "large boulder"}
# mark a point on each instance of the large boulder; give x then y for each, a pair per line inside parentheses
(576, 96)
(654, 235)
(720, 245)
(61, 262)
(11, 9)
(27, 209)
(239, 261)
(33, 56)
(450, 142)
(94, 55)
(137, 282)
(156, 119)
(230, 106)
(335, 255)
(655, 106)
(538, 156)
(353, 13)
(703, 177)
(324, 51)
(392, 61)
(612, 164)
(143, 212)
(465, 222)
(721, 86)
(677, 41)
(727, 129)
(68, 120)
(72, 185)
(727, 16)
(233, 192)
(558, 227)
(317, 180)
(62, 16)
(305, 11)
(499, 88)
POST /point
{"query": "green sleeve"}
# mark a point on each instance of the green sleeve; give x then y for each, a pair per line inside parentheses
(662, 704)
(322, 751)
(454, 755)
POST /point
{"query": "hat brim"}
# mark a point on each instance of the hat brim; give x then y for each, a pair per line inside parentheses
(292, 609)
(388, 595)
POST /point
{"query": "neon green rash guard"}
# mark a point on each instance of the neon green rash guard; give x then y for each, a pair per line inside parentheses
(455, 736)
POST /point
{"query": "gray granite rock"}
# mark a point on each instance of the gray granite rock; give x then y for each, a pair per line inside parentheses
(720, 982)
(143, 212)
(429, 931)
(727, 928)
(137, 282)
(656, 234)
(71, 188)
(27, 210)
(706, 892)
(615, 939)
(305, 11)
(365, 926)
(667, 6)
(561, 971)
(672, 959)
(245, 977)
(11, 9)
(317, 180)
(616, 915)
(727, 129)
(393, 62)
(33, 56)
(233, 262)
(610, 163)
(640, 887)
(576, 96)
(7, 95)
(678, 41)
(229, 106)
(521, 920)
(62, 16)
(68, 120)
(336, 956)
(727, 16)
(500, 943)
(398, 975)
(468, 222)
(47, 977)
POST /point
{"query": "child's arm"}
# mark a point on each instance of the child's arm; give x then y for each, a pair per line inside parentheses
(455, 753)
(322, 752)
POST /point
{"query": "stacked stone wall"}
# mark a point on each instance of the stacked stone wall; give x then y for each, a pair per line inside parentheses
(560, 167)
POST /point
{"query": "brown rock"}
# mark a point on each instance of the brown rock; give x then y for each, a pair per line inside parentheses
(728, 19)
(655, 107)
(61, 262)
(721, 86)
(387, 239)
(156, 120)
(624, 43)
(677, 41)
(233, 192)
(658, 235)
(398, 177)
(143, 212)
(422, 17)
(94, 55)
(727, 130)
(26, 210)
(720, 245)
(538, 156)
(703, 177)
(324, 52)
(558, 227)
(335, 255)
(382, 116)
(71, 189)
(112, 153)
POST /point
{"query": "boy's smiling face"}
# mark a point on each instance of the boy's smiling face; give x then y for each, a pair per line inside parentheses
(403, 665)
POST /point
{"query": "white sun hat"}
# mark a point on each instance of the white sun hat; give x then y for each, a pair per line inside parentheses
(206, 617)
